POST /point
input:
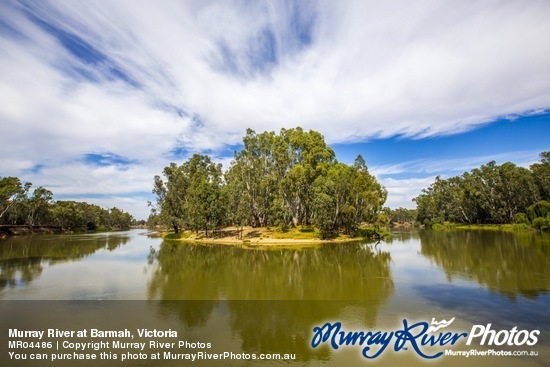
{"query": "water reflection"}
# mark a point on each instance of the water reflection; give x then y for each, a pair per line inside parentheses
(305, 287)
(278, 326)
(22, 259)
(509, 263)
(402, 235)
(331, 272)
(260, 301)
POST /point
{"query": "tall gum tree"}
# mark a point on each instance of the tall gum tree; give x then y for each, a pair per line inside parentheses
(190, 195)
(290, 178)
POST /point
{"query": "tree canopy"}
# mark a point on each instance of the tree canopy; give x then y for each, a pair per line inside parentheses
(491, 193)
(286, 179)
(18, 206)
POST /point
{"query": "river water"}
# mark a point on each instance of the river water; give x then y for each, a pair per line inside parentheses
(268, 300)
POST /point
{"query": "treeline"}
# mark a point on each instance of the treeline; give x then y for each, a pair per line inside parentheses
(18, 206)
(490, 194)
(400, 215)
(286, 179)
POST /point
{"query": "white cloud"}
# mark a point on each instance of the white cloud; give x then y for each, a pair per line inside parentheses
(402, 191)
(196, 74)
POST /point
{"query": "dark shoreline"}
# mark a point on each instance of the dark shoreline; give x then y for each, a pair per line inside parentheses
(17, 230)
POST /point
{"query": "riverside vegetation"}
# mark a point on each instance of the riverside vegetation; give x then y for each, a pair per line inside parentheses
(18, 206)
(501, 196)
(293, 181)
(290, 179)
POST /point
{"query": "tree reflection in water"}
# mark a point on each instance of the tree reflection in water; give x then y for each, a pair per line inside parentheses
(509, 263)
(22, 258)
(271, 297)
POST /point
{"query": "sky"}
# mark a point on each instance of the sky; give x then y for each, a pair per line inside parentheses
(97, 97)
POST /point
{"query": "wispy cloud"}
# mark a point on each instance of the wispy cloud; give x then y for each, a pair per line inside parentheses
(139, 79)
(431, 166)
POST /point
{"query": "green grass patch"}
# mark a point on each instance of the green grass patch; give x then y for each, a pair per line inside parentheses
(298, 233)
(487, 227)
(483, 227)
(176, 236)
(444, 225)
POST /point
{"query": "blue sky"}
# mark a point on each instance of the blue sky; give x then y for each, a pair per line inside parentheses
(99, 96)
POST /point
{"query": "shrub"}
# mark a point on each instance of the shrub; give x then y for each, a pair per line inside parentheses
(542, 224)
(538, 210)
(521, 227)
(521, 218)
(369, 232)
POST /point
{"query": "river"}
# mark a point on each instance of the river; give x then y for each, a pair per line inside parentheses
(268, 300)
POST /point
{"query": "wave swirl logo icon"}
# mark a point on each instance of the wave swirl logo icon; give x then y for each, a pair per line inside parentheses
(439, 325)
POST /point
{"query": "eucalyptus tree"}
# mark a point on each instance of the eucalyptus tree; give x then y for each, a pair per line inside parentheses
(38, 206)
(345, 197)
(190, 195)
(68, 214)
(310, 157)
(238, 206)
(277, 172)
(12, 194)
(369, 195)
(119, 219)
(518, 190)
(254, 170)
(203, 203)
(541, 173)
(491, 193)
(431, 203)
(170, 196)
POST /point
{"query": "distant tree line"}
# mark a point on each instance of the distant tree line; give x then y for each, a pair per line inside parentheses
(401, 215)
(492, 193)
(20, 206)
(286, 179)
